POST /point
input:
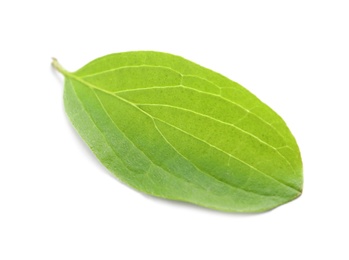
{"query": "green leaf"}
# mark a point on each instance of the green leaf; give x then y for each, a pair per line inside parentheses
(173, 129)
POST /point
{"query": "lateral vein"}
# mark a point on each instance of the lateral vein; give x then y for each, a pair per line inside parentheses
(111, 93)
(183, 75)
(225, 123)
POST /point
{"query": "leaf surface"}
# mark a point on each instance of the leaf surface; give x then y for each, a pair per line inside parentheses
(173, 129)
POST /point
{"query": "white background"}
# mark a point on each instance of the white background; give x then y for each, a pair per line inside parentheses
(58, 202)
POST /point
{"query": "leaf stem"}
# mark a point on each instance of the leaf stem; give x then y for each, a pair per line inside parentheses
(59, 67)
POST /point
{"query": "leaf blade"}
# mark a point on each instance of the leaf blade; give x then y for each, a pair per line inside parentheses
(173, 99)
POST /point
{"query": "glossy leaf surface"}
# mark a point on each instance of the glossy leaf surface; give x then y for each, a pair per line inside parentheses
(171, 128)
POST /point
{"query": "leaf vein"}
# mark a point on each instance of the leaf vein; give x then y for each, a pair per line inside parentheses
(249, 111)
(160, 166)
(128, 67)
(205, 172)
(225, 123)
(94, 123)
(193, 89)
(184, 75)
(111, 93)
(230, 155)
(135, 146)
